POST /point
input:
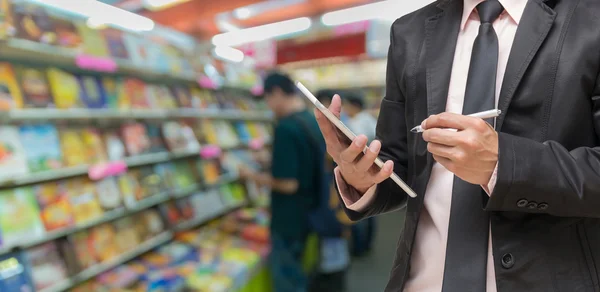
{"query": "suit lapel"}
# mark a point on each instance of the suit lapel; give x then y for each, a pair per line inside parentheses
(440, 40)
(532, 31)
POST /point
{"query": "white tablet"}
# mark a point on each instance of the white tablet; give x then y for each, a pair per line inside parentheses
(336, 121)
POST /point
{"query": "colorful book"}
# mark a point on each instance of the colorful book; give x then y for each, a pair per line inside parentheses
(55, 207)
(130, 188)
(183, 96)
(73, 147)
(116, 97)
(65, 89)
(93, 41)
(33, 23)
(46, 265)
(13, 159)
(83, 251)
(102, 239)
(114, 42)
(115, 149)
(15, 273)
(19, 216)
(136, 91)
(156, 139)
(179, 137)
(96, 152)
(84, 203)
(168, 173)
(41, 146)
(151, 183)
(92, 92)
(127, 237)
(136, 139)
(35, 88)
(10, 92)
(184, 176)
(108, 192)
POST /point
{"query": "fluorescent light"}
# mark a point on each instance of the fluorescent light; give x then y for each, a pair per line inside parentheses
(102, 13)
(229, 54)
(263, 32)
(242, 13)
(386, 10)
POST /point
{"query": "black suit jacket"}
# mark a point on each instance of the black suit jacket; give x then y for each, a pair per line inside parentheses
(546, 203)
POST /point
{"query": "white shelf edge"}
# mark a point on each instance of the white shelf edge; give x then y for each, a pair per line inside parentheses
(189, 224)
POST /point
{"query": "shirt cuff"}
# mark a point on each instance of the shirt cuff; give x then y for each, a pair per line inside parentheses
(352, 199)
(489, 188)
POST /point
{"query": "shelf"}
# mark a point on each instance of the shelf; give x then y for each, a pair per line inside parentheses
(103, 267)
(20, 115)
(67, 172)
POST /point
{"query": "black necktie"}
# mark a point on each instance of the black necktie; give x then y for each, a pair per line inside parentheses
(466, 252)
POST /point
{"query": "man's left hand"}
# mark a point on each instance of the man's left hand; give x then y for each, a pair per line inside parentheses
(470, 152)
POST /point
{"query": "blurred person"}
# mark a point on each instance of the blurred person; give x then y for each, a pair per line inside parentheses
(505, 205)
(360, 121)
(325, 96)
(294, 180)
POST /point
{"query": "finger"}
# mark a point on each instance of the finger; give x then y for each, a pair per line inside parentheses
(329, 131)
(440, 150)
(452, 121)
(366, 162)
(351, 153)
(336, 105)
(385, 172)
(445, 162)
(442, 136)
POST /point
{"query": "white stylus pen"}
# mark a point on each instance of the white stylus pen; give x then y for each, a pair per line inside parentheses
(482, 115)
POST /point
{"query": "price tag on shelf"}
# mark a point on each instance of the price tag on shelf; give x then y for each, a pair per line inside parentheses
(210, 152)
(104, 170)
(100, 64)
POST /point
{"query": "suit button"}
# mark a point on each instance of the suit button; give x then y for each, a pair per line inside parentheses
(543, 206)
(508, 261)
(522, 203)
(532, 205)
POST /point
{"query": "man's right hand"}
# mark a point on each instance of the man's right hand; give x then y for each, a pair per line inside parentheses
(357, 168)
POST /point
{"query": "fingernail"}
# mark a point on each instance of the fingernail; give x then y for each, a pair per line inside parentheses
(424, 124)
(359, 142)
(375, 147)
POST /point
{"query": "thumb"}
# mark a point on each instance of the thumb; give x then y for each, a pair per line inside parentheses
(336, 105)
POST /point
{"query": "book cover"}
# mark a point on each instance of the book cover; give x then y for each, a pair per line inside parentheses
(171, 213)
(55, 207)
(136, 91)
(184, 176)
(7, 23)
(208, 128)
(34, 87)
(73, 147)
(83, 251)
(136, 139)
(130, 188)
(168, 173)
(210, 171)
(93, 40)
(115, 149)
(165, 98)
(19, 216)
(182, 95)
(108, 192)
(67, 34)
(153, 224)
(84, 203)
(15, 273)
(114, 42)
(33, 23)
(116, 96)
(127, 237)
(10, 92)
(64, 88)
(156, 140)
(96, 152)
(179, 137)
(41, 146)
(92, 92)
(46, 265)
(243, 132)
(13, 160)
(102, 239)
(151, 182)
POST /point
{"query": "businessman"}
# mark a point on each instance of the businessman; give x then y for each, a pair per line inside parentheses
(508, 204)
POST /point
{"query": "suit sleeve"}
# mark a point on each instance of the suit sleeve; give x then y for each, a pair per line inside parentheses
(392, 132)
(537, 177)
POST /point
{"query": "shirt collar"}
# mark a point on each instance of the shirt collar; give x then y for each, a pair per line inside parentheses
(514, 8)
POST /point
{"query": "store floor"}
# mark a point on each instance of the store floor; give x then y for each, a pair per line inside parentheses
(373, 269)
